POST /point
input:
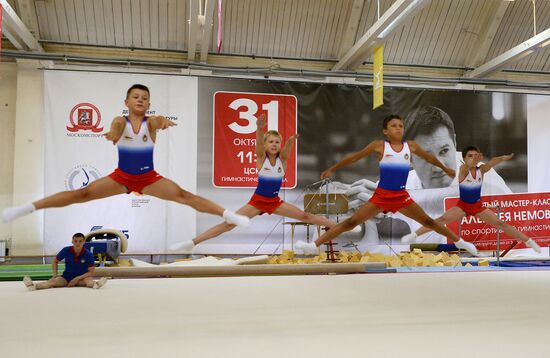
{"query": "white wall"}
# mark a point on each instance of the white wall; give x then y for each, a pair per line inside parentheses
(28, 168)
(8, 86)
(538, 130)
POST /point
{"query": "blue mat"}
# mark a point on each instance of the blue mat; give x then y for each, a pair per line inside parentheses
(530, 263)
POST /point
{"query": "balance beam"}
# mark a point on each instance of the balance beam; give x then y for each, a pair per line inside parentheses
(239, 270)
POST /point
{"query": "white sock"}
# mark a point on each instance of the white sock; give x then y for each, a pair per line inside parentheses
(236, 219)
(28, 283)
(308, 248)
(14, 212)
(184, 246)
(468, 246)
(100, 283)
(532, 244)
(409, 238)
(356, 229)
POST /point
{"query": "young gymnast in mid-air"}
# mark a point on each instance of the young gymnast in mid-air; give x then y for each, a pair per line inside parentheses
(470, 178)
(135, 137)
(390, 195)
(271, 163)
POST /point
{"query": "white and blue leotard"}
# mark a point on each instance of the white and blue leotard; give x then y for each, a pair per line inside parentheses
(394, 167)
(270, 178)
(135, 150)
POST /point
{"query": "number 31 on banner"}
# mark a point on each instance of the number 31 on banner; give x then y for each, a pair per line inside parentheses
(235, 115)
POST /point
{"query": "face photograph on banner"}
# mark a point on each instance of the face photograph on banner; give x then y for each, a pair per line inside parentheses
(78, 112)
(337, 120)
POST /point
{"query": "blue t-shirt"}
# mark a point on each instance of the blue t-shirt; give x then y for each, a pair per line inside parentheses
(75, 265)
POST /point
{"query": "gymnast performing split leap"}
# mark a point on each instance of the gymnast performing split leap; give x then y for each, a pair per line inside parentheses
(470, 178)
(394, 155)
(271, 164)
(135, 137)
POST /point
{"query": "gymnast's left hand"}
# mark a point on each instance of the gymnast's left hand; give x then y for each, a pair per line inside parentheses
(73, 282)
(166, 123)
(111, 136)
(326, 174)
(450, 172)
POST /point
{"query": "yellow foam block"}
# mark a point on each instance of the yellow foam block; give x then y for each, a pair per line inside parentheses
(355, 257)
(364, 259)
(428, 260)
(410, 261)
(395, 262)
(455, 259)
(344, 256)
(288, 253)
(377, 258)
(483, 262)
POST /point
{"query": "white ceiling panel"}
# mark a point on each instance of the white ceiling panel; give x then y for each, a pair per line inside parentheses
(443, 33)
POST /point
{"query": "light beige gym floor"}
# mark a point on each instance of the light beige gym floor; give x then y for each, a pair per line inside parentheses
(457, 314)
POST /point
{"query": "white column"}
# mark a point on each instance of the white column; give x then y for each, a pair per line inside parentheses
(28, 162)
(8, 85)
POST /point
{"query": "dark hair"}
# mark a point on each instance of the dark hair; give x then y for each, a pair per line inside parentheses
(426, 120)
(137, 86)
(469, 149)
(78, 234)
(388, 119)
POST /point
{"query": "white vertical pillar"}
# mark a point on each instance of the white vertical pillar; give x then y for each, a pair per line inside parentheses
(8, 85)
(28, 167)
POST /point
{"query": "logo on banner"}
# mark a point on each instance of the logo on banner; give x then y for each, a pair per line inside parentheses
(85, 117)
(81, 176)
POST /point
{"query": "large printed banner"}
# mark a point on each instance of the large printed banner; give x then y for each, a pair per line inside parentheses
(528, 212)
(79, 108)
(235, 115)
